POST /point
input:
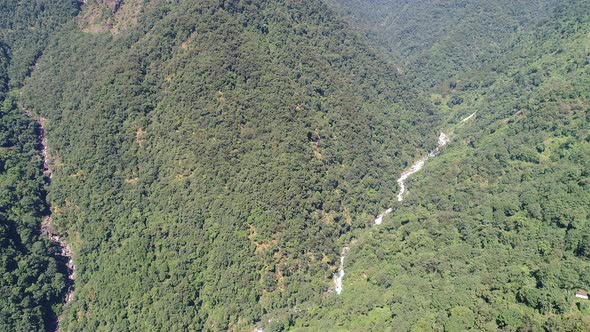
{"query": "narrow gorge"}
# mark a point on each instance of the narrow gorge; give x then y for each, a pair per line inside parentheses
(65, 256)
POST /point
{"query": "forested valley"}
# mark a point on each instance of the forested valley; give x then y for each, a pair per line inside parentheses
(211, 159)
(493, 234)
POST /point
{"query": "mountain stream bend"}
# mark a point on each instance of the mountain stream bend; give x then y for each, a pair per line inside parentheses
(443, 139)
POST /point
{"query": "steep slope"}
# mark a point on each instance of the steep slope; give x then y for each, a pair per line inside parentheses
(493, 233)
(208, 156)
(25, 28)
(32, 285)
(434, 40)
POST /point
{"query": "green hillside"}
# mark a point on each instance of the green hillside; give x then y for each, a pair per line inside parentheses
(493, 232)
(32, 284)
(435, 40)
(209, 155)
(211, 159)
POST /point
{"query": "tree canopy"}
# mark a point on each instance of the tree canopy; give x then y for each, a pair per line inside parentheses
(211, 158)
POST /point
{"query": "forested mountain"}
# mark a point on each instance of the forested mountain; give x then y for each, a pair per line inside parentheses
(434, 40)
(211, 159)
(493, 233)
(31, 283)
(25, 27)
(208, 155)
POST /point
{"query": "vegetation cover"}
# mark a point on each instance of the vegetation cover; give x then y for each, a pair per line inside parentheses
(212, 158)
(32, 284)
(208, 155)
(492, 233)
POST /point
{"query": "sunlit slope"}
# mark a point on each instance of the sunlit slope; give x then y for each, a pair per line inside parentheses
(492, 233)
(209, 155)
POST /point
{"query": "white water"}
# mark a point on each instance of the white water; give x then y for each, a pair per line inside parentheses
(338, 276)
(379, 219)
(443, 139)
(469, 117)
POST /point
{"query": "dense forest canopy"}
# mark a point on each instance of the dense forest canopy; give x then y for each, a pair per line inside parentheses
(32, 283)
(212, 158)
(493, 234)
(439, 39)
(208, 157)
